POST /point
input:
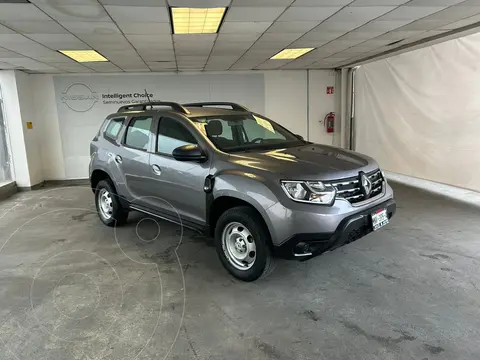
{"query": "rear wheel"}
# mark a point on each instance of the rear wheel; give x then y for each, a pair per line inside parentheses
(108, 205)
(242, 242)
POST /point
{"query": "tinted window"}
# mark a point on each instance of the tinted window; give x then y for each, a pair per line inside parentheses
(138, 132)
(172, 134)
(113, 128)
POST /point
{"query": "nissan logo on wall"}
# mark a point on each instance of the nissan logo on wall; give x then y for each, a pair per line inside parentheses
(79, 97)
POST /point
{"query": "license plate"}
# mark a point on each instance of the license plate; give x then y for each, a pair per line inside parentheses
(379, 219)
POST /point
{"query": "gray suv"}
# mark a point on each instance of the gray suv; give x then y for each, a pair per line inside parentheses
(261, 191)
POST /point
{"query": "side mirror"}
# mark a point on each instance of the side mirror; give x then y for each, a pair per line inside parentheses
(189, 153)
(300, 137)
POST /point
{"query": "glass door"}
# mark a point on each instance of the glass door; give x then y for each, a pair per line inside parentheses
(5, 158)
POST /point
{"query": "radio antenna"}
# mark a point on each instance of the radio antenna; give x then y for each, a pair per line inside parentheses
(148, 98)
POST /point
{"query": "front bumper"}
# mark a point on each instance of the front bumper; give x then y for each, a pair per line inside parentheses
(303, 246)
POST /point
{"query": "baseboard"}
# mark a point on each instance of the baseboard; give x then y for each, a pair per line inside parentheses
(7, 190)
(72, 182)
(464, 195)
(55, 183)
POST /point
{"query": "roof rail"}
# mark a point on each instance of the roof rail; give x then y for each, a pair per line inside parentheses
(234, 106)
(143, 106)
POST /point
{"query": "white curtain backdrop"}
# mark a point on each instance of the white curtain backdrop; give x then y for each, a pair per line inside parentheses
(418, 113)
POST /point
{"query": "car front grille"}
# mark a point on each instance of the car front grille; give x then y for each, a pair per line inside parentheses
(349, 189)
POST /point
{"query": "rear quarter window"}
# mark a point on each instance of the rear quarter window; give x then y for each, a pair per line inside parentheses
(113, 128)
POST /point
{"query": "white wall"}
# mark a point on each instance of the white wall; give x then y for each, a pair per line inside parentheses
(418, 113)
(292, 99)
(320, 105)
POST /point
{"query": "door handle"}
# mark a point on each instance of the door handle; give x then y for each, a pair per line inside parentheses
(118, 159)
(156, 169)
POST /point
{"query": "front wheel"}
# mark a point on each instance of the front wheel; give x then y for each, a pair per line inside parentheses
(242, 242)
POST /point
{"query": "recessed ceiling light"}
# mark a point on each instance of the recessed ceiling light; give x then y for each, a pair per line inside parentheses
(197, 20)
(83, 55)
(291, 53)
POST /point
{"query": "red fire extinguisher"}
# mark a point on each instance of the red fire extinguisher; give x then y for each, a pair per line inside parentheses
(330, 122)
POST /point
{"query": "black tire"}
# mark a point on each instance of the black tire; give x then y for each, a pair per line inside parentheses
(264, 262)
(118, 214)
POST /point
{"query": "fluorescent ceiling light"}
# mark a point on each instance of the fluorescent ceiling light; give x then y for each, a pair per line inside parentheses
(197, 20)
(83, 55)
(291, 53)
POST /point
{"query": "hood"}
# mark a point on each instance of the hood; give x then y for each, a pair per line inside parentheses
(308, 162)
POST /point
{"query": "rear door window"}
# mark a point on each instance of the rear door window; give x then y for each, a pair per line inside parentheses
(138, 132)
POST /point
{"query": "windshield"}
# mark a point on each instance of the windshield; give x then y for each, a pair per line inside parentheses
(232, 133)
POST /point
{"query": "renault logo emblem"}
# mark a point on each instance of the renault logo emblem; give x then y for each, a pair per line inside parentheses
(365, 185)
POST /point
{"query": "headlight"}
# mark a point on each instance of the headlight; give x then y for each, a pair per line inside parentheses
(383, 176)
(314, 192)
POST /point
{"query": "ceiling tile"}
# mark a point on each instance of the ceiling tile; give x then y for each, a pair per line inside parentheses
(149, 39)
(411, 12)
(384, 26)
(138, 13)
(469, 3)
(244, 27)
(7, 54)
(55, 57)
(145, 28)
(298, 63)
(272, 64)
(133, 67)
(305, 43)
(160, 65)
(189, 50)
(194, 38)
(5, 66)
(361, 13)
(229, 60)
(36, 27)
(253, 13)
(433, 2)
(321, 2)
(246, 64)
(229, 49)
(59, 41)
(292, 26)
(146, 69)
(202, 3)
(247, 37)
(13, 12)
(398, 35)
(103, 67)
(461, 23)
(424, 25)
(361, 35)
(259, 54)
(5, 30)
(91, 27)
(75, 12)
(308, 13)
(66, 2)
(274, 47)
(133, 3)
(261, 2)
(72, 66)
(336, 26)
(378, 2)
(157, 56)
(282, 38)
(455, 13)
